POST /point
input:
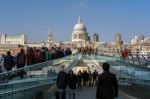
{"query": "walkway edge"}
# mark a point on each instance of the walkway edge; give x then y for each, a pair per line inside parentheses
(127, 96)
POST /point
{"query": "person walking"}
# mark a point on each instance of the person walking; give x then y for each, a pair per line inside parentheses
(85, 78)
(21, 62)
(30, 57)
(90, 78)
(72, 80)
(95, 75)
(107, 87)
(79, 80)
(9, 62)
(43, 54)
(61, 84)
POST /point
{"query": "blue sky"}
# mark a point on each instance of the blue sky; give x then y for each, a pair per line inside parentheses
(105, 17)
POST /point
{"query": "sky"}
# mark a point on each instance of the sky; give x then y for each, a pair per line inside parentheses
(104, 17)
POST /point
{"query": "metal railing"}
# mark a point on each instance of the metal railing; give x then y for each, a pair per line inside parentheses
(37, 70)
(37, 76)
(137, 88)
(42, 76)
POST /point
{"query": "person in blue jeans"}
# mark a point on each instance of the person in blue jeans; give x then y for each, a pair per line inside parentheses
(72, 81)
(62, 83)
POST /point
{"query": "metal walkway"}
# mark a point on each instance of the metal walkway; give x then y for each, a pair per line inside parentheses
(90, 93)
(86, 93)
(39, 79)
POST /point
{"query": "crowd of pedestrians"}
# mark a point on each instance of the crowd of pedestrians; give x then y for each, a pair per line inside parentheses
(107, 86)
(32, 56)
(106, 83)
(87, 51)
(74, 81)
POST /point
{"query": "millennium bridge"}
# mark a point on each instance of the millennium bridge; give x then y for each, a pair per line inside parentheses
(39, 81)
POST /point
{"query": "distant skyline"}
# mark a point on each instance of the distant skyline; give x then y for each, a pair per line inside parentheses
(104, 17)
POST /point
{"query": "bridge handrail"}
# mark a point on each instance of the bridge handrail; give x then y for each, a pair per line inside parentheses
(26, 81)
(38, 65)
(141, 59)
(118, 54)
(124, 79)
(134, 80)
(28, 87)
(73, 63)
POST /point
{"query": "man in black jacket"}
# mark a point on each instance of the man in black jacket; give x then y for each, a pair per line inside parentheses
(62, 84)
(9, 62)
(107, 87)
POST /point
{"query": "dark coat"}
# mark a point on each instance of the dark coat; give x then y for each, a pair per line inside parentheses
(72, 80)
(20, 59)
(85, 76)
(43, 55)
(95, 74)
(62, 80)
(79, 78)
(68, 52)
(107, 87)
(30, 58)
(9, 62)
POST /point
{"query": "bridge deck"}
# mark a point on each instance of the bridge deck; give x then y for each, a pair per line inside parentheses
(86, 93)
(90, 93)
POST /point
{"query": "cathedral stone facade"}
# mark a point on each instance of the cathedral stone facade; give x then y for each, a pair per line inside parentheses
(79, 34)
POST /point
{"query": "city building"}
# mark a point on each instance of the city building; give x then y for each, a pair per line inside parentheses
(140, 45)
(48, 43)
(118, 41)
(138, 39)
(79, 34)
(13, 39)
(95, 37)
(89, 38)
(50, 40)
(50, 37)
(117, 37)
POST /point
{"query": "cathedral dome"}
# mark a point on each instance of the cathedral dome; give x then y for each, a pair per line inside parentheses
(79, 26)
(79, 34)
